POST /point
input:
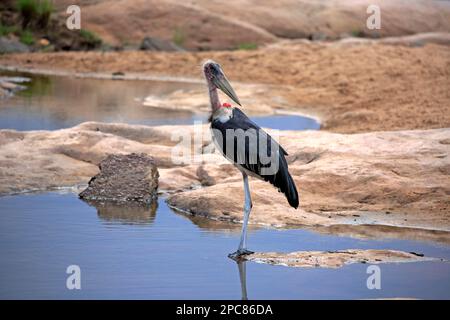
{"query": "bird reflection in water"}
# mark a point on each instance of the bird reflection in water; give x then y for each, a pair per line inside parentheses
(242, 268)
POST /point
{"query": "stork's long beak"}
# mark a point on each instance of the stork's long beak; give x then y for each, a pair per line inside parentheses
(222, 83)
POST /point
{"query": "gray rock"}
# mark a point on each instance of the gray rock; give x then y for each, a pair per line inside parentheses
(11, 45)
(154, 44)
(123, 178)
(8, 85)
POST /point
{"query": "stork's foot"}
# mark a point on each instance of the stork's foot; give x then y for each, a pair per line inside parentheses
(239, 254)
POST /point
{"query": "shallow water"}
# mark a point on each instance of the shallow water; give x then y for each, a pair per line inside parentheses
(159, 254)
(55, 102)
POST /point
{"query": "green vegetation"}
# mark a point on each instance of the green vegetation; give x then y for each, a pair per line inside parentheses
(247, 46)
(178, 37)
(357, 33)
(26, 37)
(90, 37)
(38, 11)
(33, 23)
(5, 30)
(45, 9)
(28, 10)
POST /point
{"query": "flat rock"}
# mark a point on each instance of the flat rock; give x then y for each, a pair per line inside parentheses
(383, 178)
(124, 178)
(334, 259)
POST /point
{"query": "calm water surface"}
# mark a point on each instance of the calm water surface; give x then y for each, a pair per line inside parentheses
(55, 102)
(159, 254)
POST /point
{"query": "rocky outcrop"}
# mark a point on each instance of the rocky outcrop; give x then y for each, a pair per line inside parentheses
(123, 178)
(254, 21)
(381, 178)
(334, 259)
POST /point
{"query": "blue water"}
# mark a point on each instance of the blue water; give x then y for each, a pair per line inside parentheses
(139, 254)
(55, 102)
(287, 122)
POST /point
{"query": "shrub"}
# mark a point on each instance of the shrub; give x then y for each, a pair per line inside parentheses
(28, 9)
(26, 37)
(38, 11)
(45, 9)
(91, 39)
(5, 30)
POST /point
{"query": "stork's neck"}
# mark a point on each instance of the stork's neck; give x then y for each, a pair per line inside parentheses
(213, 97)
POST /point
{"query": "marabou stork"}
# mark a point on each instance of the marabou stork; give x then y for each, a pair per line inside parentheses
(249, 154)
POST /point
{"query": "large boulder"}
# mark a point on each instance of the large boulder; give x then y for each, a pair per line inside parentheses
(123, 178)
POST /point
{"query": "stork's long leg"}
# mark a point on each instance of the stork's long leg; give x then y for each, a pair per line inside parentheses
(247, 208)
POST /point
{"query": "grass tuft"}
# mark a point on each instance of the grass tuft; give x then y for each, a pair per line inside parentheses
(178, 37)
(26, 37)
(247, 46)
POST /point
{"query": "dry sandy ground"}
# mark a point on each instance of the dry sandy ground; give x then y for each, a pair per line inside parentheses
(351, 87)
(395, 182)
(214, 24)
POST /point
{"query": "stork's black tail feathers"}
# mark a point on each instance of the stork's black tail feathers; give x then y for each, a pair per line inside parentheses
(283, 181)
(286, 184)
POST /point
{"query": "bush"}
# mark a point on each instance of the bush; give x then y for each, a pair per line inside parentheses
(45, 9)
(90, 38)
(28, 10)
(38, 10)
(26, 37)
(5, 30)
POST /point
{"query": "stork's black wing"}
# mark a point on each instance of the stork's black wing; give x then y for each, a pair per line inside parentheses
(252, 154)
